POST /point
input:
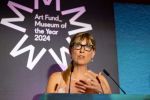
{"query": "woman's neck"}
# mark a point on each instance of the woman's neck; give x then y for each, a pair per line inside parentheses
(79, 70)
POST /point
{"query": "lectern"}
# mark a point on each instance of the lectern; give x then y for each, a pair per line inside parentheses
(91, 97)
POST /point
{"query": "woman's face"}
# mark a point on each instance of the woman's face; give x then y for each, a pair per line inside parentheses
(81, 53)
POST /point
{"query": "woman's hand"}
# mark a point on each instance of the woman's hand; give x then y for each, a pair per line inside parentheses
(89, 84)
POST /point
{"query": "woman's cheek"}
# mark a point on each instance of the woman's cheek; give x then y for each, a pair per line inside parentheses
(89, 58)
(74, 56)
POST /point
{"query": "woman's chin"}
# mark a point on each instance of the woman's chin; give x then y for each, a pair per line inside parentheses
(81, 63)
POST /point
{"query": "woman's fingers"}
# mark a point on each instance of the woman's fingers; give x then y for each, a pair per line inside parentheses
(81, 83)
(84, 84)
(90, 76)
(89, 84)
(81, 87)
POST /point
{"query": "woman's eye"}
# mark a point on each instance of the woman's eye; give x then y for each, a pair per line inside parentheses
(88, 46)
(77, 45)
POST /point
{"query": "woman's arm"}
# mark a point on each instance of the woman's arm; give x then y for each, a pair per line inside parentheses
(104, 83)
(53, 82)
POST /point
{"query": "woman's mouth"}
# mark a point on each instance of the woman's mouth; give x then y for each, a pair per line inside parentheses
(81, 57)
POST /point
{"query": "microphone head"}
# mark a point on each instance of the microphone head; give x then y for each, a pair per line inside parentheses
(104, 70)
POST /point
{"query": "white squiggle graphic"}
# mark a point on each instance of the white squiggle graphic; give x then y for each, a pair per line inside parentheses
(7, 21)
(63, 64)
(17, 50)
(80, 11)
(31, 62)
(47, 2)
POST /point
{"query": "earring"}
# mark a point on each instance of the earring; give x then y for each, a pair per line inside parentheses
(92, 60)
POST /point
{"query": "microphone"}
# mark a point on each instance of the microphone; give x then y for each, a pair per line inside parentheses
(71, 70)
(104, 70)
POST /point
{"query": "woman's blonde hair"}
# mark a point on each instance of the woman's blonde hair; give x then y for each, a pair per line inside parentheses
(77, 38)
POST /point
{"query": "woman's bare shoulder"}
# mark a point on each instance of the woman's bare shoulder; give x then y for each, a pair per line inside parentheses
(102, 77)
(53, 80)
(104, 83)
(55, 75)
(99, 75)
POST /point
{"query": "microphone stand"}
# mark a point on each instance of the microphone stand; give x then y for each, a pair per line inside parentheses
(113, 80)
(72, 68)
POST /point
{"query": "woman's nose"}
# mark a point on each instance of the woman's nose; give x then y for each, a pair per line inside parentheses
(82, 49)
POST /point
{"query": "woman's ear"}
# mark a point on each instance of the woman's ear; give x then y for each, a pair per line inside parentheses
(93, 53)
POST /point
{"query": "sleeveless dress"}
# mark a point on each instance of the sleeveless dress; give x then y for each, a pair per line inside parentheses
(64, 88)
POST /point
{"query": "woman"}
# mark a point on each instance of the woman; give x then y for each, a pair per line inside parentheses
(78, 78)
